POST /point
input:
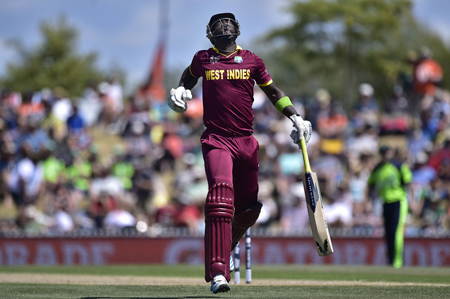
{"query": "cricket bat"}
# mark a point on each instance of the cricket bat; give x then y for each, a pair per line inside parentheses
(314, 204)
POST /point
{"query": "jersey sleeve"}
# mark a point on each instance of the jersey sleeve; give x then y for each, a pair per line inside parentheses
(406, 174)
(195, 67)
(261, 76)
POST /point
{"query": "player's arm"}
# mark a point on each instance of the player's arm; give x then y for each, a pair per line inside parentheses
(284, 105)
(274, 94)
(371, 191)
(178, 97)
(188, 80)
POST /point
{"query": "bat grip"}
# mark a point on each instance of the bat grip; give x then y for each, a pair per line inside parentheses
(305, 155)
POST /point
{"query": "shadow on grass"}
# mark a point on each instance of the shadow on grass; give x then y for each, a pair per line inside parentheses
(182, 297)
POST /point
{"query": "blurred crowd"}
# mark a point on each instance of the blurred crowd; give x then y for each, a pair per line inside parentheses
(73, 165)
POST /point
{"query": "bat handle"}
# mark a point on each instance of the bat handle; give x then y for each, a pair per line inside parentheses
(305, 155)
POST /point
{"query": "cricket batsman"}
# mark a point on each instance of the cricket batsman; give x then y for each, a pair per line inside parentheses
(229, 149)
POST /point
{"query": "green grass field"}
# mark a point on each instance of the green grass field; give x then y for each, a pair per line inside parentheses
(157, 281)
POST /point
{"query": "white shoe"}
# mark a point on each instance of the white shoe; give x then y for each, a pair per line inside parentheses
(219, 284)
(231, 263)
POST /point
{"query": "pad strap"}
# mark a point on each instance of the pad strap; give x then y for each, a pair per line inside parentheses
(243, 221)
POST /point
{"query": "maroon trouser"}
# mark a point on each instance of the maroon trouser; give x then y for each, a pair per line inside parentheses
(231, 165)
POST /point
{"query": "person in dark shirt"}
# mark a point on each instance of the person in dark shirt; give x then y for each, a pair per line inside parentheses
(229, 150)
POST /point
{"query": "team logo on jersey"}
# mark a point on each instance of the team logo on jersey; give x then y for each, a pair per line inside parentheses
(238, 59)
(214, 59)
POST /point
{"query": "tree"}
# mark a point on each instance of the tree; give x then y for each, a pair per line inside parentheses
(338, 44)
(54, 62)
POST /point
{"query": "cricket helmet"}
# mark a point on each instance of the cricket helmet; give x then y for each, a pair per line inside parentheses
(222, 25)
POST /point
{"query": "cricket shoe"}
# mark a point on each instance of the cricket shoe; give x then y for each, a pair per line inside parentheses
(231, 263)
(219, 284)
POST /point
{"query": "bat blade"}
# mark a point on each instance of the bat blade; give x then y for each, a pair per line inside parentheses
(316, 215)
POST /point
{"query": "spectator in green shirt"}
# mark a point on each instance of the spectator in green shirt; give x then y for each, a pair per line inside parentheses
(122, 168)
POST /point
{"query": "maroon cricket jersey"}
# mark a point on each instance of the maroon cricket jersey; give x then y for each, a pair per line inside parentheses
(228, 82)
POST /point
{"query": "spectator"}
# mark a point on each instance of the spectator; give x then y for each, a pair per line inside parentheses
(53, 170)
(418, 141)
(63, 220)
(195, 192)
(321, 107)
(423, 175)
(269, 211)
(365, 112)
(137, 141)
(62, 106)
(90, 105)
(78, 172)
(8, 109)
(339, 209)
(115, 93)
(34, 141)
(171, 150)
(107, 116)
(294, 215)
(122, 168)
(26, 179)
(120, 216)
(396, 117)
(30, 108)
(441, 157)
(111, 97)
(188, 215)
(75, 123)
(143, 187)
(7, 163)
(434, 207)
(357, 183)
(427, 73)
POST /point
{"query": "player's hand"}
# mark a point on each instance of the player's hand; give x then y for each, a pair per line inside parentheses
(303, 129)
(178, 97)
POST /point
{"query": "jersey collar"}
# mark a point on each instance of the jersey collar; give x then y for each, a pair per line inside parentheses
(238, 48)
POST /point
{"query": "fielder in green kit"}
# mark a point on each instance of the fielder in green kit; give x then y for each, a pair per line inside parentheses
(390, 178)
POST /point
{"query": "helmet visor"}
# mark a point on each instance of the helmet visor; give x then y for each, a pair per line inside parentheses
(225, 27)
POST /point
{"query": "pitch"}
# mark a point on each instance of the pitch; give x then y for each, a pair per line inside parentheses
(159, 281)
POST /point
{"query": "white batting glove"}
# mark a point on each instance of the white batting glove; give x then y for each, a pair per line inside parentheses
(303, 128)
(178, 97)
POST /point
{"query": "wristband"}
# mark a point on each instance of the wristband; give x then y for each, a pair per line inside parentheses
(283, 103)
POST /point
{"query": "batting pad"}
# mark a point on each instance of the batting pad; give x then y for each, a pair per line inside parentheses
(219, 211)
